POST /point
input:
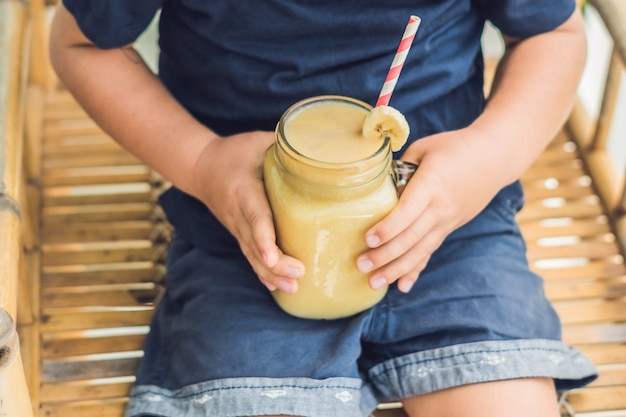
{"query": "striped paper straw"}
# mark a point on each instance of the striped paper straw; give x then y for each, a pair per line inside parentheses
(398, 61)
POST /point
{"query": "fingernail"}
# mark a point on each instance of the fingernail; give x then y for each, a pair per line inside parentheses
(378, 282)
(364, 265)
(372, 241)
(287, 286)
(293, 272)
(405, 286)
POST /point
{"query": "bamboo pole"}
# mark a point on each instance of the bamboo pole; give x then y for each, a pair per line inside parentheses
(13, 26)
(609, 101)
(611, 189)
(14, 46)
(28, 325)
(41, 80)
(14, 395)
(613, 14)
(40, 69)
(13, 62)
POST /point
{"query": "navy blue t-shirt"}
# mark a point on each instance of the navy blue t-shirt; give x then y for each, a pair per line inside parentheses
(238, 65)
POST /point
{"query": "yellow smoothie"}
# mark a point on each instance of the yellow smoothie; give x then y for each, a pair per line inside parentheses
(330, 132)
(327, 186)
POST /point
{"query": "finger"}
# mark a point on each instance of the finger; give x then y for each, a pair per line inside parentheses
(260, 250)
(285, 276)
(406, 282)
(274, 259)
(279, 270)
(406, 269)
(268, 285)
(282, 276)
(256, 227)
(400, 244)
(414, 201)
(409, 265)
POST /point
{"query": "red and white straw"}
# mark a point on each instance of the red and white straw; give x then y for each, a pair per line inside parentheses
(398, 61)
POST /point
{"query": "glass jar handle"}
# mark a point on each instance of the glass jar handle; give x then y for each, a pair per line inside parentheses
(402, 172)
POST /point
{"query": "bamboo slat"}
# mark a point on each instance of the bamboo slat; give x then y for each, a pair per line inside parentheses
(554, 209)
(100, 389)
(390, 413)
(109, 407)
(100, 159)
(75, 144)
(591, 269)
(112, 231)
(592, 334)
(591, 311)
(601, 398)
(579, 248)
(110, 295)
(102, 274)
(94, 318)
(97, 175)
(561, 148)
(561, 170)
(86, 368)
(548, 189)
(60, 112)
(82, 345)
(605, 354)
(610, 375)
(58, 217)
(586, 290)
(98, 194)
(583, 228)
(75, 127)
(99, 252)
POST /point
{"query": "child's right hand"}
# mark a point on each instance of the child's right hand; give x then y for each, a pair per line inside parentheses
(227, 177)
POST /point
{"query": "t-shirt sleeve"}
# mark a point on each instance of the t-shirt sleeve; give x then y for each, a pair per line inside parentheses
(525, 18)
(113, 23)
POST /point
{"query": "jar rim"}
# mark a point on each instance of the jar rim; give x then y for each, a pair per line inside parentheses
(315, 100)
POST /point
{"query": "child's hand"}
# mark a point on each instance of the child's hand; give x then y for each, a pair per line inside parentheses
(455, 180)
(228, 179)
(461, 171)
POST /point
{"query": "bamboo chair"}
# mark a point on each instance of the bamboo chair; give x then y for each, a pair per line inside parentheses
(82, 241)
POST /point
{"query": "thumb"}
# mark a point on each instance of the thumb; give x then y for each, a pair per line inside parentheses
(415, 152)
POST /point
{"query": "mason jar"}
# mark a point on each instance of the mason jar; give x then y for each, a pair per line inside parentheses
(326, 187)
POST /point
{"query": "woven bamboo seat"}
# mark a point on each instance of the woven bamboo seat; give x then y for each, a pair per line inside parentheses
(103, 240)
(90, 258)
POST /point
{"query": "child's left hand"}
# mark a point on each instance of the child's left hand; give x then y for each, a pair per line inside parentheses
(458, 175)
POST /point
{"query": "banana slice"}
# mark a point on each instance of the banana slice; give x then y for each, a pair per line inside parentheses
(385, 121)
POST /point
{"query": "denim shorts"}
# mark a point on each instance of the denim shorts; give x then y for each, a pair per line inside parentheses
(220, 346)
